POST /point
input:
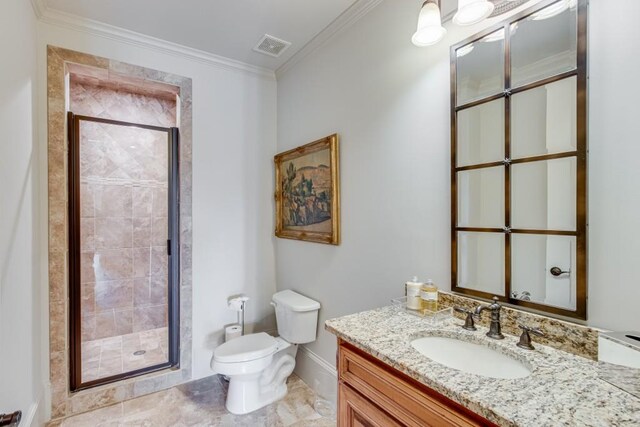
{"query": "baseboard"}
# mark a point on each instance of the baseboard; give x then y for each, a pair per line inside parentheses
(320, 375)
(32, 417)
(45, 406)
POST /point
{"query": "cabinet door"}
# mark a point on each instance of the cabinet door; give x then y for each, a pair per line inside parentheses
(356, 411)
(394, 396)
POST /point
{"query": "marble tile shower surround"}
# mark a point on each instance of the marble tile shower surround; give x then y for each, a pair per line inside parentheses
(112, 79)
(107, 100)
(143, 82)
(566, 336)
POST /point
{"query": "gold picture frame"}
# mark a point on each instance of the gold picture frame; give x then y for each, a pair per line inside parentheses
(308, 192)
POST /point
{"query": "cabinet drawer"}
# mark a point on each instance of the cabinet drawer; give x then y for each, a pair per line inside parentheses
(399, 395)
(356, 411)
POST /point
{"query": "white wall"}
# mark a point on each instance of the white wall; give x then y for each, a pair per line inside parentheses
(614, 175)
(20, 305)
(234, 131)
(389, 101)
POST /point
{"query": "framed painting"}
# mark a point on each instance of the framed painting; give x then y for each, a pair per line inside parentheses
(308, 192)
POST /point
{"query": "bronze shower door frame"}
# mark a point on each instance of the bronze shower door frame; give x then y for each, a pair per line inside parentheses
(173, 253)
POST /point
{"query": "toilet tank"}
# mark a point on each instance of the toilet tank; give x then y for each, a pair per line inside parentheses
(296, 316)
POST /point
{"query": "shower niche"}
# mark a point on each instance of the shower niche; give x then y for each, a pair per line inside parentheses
(123, 232)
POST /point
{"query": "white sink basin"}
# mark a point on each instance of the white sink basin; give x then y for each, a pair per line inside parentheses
(470, 357)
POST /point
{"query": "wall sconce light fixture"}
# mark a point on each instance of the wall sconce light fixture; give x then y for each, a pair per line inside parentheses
(430, 30)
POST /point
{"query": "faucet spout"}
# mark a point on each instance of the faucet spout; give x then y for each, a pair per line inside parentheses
(495, 328)
(479, 309)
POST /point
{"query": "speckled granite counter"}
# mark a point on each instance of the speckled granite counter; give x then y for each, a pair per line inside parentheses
(562, 390)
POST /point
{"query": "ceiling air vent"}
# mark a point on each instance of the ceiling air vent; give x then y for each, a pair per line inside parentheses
(271, 46)
(504, 6)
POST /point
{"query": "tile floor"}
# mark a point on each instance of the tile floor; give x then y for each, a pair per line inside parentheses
(114, 355)
(201, 403)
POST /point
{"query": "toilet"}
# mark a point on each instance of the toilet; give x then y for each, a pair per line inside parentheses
(258, 365)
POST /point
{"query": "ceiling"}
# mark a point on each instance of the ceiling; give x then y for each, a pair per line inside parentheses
(229, 28)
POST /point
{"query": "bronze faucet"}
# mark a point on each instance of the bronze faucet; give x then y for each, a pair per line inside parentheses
(495, 331)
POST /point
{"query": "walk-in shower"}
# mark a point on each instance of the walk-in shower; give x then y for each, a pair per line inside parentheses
(123, 237)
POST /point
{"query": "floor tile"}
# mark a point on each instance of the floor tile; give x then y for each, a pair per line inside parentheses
(201, 404)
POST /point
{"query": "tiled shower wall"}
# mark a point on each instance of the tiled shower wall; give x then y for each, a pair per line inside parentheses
(124, 208)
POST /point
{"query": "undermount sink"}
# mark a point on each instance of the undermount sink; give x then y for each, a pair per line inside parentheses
(470, 357)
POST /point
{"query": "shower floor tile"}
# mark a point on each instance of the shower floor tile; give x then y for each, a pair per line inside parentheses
(201, 403)
(115, 355)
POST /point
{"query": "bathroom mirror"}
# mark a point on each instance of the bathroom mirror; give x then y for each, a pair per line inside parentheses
(481, 197)
(481, 67)
(544, 43)
(481, 261)
(481, 134)
(519, 160)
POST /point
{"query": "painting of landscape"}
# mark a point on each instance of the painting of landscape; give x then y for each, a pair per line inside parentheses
(307, 192)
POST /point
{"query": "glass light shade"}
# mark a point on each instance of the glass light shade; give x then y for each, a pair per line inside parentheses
(430, 30)
(472, 11)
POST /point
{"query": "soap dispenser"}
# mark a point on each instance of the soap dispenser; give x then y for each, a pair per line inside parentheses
(413, 287)
(429, 296)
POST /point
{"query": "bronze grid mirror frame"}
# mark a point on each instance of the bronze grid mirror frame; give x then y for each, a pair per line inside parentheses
(579, 74)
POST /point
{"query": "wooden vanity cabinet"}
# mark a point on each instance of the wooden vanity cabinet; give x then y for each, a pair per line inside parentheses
(373, 394)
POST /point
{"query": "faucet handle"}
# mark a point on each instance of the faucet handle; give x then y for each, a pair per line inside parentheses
(525, 338)
(469, 324)
(534, 331)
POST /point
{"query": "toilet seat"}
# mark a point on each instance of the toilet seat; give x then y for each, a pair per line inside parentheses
(246, 348)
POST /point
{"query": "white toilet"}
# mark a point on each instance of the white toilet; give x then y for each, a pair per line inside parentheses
(258, 365)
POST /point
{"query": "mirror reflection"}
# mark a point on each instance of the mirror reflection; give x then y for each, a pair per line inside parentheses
(480, 68)
(532, 276)
(481, 198)
(543, 195)
(481, 261)
(543, 120)
(481, 133)
(544, 44)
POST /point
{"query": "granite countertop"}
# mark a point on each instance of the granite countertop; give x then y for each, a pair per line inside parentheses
(562, 390)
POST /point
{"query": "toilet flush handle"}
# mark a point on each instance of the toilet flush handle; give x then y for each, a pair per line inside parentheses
(273, 303)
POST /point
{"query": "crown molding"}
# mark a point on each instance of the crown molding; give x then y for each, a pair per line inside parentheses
(111, 32)
(349, 17)
(38, 7)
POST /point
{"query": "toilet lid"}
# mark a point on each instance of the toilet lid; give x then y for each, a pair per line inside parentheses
(245, 348)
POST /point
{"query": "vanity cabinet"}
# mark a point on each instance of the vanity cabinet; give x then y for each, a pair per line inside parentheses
(373, 394)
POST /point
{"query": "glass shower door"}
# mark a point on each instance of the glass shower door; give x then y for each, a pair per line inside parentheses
(123, 257)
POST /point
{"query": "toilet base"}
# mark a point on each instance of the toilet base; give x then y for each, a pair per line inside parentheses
(244, 396)
(248, 393)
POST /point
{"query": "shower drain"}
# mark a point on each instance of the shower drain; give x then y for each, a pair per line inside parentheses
(139, 352)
